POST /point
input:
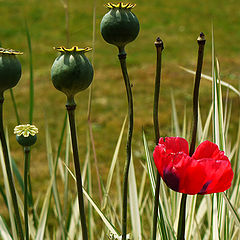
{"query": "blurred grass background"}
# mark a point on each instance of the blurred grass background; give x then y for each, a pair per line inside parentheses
(178, 23)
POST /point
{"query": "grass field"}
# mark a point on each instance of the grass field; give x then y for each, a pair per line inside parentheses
(178, 23)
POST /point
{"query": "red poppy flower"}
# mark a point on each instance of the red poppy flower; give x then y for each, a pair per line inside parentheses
(207, 171)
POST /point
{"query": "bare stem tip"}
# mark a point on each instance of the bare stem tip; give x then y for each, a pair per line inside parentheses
(201, 38)
(159, 43)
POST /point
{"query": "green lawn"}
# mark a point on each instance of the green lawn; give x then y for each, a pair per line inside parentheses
(178, 23)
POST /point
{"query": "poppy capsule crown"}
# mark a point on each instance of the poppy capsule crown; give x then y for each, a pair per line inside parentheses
(72, 72)
(119, 26)
(10, 69)
(26, 134)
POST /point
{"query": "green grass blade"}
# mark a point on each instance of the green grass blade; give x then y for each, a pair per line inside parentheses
(113, 164)
(162, 220)
(207, 124)
(4, 231)
(215, 233)
(204, 76)
(184, 129)
(175, 117)
(17, 174)
(52, 169)
(44, 213)
(8, 195)
(231, 209)
(191, 214)
(3, 195)
(31, 83)
(134, 208)
(66, 176)
(15, 106)
(89, 190)
(107, 223)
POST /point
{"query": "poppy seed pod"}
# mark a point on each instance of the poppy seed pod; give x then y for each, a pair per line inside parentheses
(119, 26)
(71, 72)
(26, 134)
(10, 69)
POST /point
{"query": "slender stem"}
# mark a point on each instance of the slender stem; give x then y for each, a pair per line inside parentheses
(182, 215)
(26, 173)
(31, 206)
(122, 58)
(9, 172)
(201, 43)
(71, 106)
(159, 48)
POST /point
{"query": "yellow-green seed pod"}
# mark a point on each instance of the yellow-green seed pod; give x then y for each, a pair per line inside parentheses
(119, 26)
(26, 134)
(10, 69)
(72, 72)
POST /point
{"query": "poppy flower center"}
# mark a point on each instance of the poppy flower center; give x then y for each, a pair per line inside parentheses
(171, 179)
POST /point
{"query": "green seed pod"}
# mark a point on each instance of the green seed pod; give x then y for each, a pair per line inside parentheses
(26, 141)
(119, 26)
(10, 69)
(71, 71)
(26, 134)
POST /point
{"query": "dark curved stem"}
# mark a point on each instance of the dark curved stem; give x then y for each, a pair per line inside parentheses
(26, 175)
(9, 172)
(71, 106)
(201, 43)
(122, 58)
(159, 48)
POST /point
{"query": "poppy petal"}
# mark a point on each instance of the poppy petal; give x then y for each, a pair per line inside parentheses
(179, 171)
(207, 171)
(219, 175)
(208, 149)
(175, 144)
(192, 176)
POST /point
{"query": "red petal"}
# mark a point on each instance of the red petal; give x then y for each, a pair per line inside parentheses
(219, 175)
(209, 150)
(179, 171)
(192, 176)
(207, 171)
(175, 144)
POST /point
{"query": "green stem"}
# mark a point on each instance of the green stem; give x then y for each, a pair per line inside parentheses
(71, 106)
(201, 43)
(31, 206)
(182, 216)
(26, 174)
(159, 48)
(122, 58)
(9, 172)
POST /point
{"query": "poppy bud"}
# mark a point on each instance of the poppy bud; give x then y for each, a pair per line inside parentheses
(119, 26)
(71, 72)
(26, 134)
(10, 69)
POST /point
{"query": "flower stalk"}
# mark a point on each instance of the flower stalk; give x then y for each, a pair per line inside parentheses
(26, 177)
(159, 48)
(201, 43)
(122, 58)
(9, 173)
(71, 106)
(26, 137)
